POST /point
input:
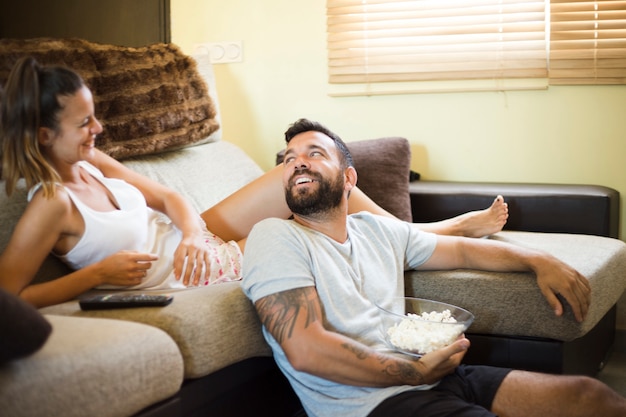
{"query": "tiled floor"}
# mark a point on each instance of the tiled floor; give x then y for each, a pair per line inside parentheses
(614, 372)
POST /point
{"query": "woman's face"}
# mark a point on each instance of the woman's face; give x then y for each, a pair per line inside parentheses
(75, 139)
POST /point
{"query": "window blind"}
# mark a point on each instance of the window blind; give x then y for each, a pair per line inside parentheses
(588, 42)
(372, 41)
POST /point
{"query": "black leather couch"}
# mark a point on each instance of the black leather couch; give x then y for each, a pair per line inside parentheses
(579, 209)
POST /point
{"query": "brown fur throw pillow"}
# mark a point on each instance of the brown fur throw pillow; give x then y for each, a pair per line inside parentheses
(149, 99)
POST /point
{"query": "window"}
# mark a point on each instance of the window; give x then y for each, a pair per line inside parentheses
(588, 42)
(387, 41)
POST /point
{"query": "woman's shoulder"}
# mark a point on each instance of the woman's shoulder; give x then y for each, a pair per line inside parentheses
(39, 187)
(60, 201)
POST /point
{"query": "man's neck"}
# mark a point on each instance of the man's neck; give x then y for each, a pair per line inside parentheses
(331, 223)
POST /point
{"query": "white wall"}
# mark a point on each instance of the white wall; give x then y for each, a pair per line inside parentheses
(561, 135)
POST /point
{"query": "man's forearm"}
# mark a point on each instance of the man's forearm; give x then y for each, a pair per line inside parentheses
(340, 359)
(294, 319)
(553, 276)
(481, 254)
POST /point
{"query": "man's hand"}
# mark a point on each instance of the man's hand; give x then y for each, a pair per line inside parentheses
(555, 277)
(435, 365)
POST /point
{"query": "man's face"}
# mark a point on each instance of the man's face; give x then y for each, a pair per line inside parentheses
(313, 179)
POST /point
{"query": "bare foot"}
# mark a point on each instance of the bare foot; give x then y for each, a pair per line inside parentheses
(477, 223)
(484, 222)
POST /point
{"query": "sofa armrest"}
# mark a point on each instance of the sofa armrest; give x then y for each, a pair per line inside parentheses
(559, 208)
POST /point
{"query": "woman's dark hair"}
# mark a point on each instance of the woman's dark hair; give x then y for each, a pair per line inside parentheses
(305, 125)
(31, 101)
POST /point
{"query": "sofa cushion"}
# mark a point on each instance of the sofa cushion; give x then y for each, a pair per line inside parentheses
(204, 174)
(383, 166)
(213, 326)
(511, 304)
(555, 208)
(92, 367)
(23, 329)
(149, 99)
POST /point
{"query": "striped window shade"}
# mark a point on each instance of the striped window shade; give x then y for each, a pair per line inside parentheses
(587, 42)
(376, 41)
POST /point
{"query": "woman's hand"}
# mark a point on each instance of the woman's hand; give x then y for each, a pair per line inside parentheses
(126, 268)
(192, 260)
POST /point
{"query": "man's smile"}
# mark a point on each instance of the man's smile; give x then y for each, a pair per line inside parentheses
(302, 180)
(304, 177)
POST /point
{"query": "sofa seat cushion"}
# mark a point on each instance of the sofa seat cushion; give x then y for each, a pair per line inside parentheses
(511, 304)
(92, 367)
(213, 326)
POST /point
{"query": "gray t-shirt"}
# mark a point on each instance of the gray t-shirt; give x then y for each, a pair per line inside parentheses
(349, 277)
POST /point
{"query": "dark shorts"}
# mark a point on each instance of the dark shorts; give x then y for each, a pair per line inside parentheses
(468, 392)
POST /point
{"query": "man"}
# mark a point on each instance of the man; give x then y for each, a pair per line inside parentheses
(314, 281)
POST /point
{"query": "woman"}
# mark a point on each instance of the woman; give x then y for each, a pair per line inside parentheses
(106, 221)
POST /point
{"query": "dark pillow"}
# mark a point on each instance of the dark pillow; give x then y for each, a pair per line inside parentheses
(23, 330)
(383, 166)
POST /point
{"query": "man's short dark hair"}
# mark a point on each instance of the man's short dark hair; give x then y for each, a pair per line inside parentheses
(305, 125)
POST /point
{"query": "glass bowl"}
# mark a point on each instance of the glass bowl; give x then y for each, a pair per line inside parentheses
(416, 326)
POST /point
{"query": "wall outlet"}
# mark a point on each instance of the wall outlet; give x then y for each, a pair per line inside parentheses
(221, 52)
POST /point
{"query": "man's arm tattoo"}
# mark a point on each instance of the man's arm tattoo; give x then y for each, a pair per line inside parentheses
(399, 369)
(279, 312)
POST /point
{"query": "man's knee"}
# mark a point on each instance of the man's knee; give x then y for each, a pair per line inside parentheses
(586, 390)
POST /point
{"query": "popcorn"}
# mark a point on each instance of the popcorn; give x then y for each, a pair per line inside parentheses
(426, 332)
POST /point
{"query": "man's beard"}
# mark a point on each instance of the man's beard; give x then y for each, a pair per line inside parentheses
(306, 202)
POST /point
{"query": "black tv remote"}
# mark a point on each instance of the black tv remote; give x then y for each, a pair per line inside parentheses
(107, 301)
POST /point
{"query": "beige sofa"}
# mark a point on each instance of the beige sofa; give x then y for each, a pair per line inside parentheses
(157, 361)
(144, 355)
(204, 353)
